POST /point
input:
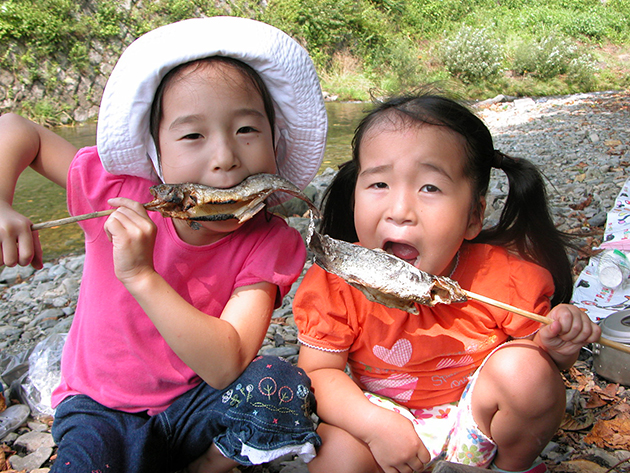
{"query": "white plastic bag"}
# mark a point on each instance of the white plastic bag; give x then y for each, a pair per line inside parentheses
(44, 374)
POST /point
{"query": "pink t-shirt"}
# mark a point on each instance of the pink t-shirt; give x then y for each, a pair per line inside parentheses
(114, 354)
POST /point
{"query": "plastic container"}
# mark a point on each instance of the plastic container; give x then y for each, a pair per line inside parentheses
(613, 269)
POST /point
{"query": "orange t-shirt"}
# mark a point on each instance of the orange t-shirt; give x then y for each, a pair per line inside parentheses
(423, 360)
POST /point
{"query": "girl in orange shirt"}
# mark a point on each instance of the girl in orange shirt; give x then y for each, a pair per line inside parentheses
(464, 382)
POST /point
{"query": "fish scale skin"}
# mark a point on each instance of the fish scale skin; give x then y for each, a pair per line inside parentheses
(382, 277)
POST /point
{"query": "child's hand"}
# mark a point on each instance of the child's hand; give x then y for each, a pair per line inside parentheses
(395, 444)
(570, 330)
(19, 244)
(132, 234)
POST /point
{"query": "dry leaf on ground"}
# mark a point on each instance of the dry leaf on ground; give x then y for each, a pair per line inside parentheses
(579, 466)
(577, 423)
(4, 463)
(613, 433)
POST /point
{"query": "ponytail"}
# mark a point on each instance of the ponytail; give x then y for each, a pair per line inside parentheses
(338, 202)
(527, 226)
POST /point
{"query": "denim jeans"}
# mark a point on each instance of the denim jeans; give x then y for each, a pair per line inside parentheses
(267, 408)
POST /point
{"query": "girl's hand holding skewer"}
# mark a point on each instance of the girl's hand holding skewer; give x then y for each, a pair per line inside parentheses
(570, 330)
(132, 234)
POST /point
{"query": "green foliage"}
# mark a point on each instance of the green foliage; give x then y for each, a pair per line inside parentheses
(107, 20)
(43, 24)
(551, 56)
(546, 58)
(472, 55)
(78, 56)
(163, 12)
(44, 111)
(431, 18)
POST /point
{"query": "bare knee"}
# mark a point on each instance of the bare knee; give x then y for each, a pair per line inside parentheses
(521, 378)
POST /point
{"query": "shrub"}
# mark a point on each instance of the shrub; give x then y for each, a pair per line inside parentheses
(589, 24)
(551, 56)
(582, 71)
(472, 55)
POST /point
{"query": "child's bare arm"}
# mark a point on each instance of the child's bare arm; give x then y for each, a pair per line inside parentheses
(564, 338)
(217, 349)
(22, 144)
(391, 438)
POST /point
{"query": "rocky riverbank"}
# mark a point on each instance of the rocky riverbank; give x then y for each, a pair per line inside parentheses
(580, 143)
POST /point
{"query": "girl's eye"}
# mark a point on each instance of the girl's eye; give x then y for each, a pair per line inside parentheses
(379, 185)
(429, 188)
(246, 129)
(192, 136)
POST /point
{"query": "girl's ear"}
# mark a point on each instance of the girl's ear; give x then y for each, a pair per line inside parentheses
(475, 221)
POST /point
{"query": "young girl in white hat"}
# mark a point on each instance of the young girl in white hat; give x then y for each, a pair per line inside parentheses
(159, 371)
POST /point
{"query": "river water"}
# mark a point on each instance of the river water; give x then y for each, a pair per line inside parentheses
(41, 200)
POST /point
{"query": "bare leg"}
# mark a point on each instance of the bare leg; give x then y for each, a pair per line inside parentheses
(212, 461)
(341, 453)
(519, 402)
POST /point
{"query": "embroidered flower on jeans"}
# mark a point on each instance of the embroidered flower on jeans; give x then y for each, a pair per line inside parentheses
(285, 394)
(302, 391)
(227, 395)
(267, 387)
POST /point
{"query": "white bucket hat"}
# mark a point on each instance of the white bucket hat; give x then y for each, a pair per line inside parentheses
(124, 141)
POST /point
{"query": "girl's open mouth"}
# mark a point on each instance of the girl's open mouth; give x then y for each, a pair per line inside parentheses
(403, 251)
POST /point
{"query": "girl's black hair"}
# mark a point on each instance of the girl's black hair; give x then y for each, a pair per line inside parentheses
(525, 224)
(247, 72)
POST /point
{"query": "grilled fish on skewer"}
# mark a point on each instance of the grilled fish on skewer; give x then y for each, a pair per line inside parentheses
(390, 281)
(382, 277)
(195, 202)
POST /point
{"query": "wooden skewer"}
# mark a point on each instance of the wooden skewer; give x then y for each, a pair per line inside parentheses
(538, 318)
(241, 214)
(67, 220)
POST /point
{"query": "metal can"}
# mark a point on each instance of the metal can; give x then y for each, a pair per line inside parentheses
(614, 365)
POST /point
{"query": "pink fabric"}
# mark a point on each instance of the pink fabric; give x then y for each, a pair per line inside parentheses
(114, 354)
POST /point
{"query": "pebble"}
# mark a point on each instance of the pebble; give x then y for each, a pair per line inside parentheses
(578, 141)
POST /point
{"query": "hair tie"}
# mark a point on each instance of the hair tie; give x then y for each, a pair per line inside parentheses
(497, 159)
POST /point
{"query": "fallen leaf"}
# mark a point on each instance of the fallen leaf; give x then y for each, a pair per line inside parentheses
(614, 433)
(580, 423)
(595, 400)
(5, 452)
(611, 390)
(617, 410)
(579, 377)
(582, 205)
(579, 466)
